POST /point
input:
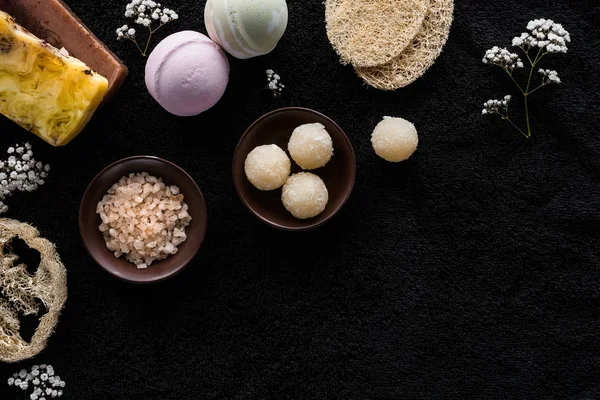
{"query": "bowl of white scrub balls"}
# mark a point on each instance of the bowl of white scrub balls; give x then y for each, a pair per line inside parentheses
(304, 187)
(394, 139)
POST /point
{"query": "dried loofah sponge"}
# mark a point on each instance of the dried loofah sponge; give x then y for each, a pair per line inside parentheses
(21, 290)
(417, 58)
(367, 33)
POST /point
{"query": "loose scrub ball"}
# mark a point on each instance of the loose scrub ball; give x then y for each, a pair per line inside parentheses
(304, 195)
(394, 139)
(310, 146)
(267, 167)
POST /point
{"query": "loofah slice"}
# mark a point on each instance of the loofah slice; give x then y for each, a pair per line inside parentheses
(419, 56)
(21, 291)
(367, 33)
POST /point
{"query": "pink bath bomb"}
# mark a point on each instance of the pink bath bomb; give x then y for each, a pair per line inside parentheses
(187, 73)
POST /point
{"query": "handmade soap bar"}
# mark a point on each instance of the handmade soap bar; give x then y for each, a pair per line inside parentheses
(53, 21)
(44, 91)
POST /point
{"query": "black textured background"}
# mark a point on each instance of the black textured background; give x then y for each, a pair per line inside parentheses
(469, 272)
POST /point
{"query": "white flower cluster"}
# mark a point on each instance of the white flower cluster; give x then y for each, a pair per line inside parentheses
(41, 379)
(545, 34)
(549, 76)
(503, 58)
(494, 106)
(20, 172)
(274, 83)
(125, 32)
(144, 11)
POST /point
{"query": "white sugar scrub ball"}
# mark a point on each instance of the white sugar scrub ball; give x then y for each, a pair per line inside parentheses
(394, 139)
(310, 146)
(304, 195)
(267, 167)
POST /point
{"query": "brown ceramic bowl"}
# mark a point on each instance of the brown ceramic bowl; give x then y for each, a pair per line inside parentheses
(276, 127)
(94, 241)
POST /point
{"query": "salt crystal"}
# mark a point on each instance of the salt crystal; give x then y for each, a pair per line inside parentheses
(143, 219)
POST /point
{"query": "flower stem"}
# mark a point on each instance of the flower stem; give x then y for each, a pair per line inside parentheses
(147, 41)
(516, 127)
(158, 27)
(513, 79)
(151, 32)
(538, 88)
(527, 116)
(260, 90)
(526, 92)
(138, 46)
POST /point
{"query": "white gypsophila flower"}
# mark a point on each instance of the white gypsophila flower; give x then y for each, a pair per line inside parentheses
(49, 385)
(143, 12)
(141, 20)
(125, 32)
(20, 173)
(274, 83)
(544, 34)
(495, 106)
(503, 58)
(549, 76)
